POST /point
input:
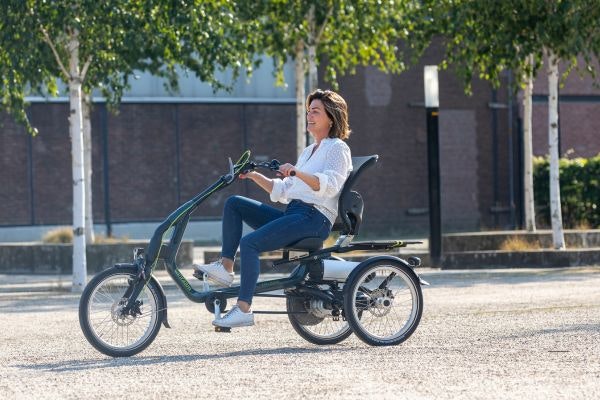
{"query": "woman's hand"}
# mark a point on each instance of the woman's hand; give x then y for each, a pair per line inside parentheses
(286, 169)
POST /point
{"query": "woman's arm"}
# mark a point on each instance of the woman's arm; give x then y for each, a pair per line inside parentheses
(311, 180)
(265, 183)
(331, 179)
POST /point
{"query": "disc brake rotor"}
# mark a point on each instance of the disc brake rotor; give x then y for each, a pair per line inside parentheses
(118, 316)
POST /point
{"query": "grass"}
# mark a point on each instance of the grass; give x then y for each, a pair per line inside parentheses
(583, 226)
(64, 234)
(520, 244)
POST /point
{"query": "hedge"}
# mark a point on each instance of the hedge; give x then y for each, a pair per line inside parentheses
(579, 191)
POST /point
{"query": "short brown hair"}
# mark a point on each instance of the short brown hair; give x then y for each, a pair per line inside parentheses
(336, 109)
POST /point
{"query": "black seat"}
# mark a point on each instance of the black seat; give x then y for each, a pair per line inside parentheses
(350, 208)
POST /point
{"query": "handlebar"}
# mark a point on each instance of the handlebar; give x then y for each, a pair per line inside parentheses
(244, 165)
(273, 165)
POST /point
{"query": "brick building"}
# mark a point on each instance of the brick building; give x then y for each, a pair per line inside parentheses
(158, 152)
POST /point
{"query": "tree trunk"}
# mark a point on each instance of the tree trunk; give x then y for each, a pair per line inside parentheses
(76, 132)
(87, 156)
(300, 99)
(555, 211)
(528, 151)
(313, 78)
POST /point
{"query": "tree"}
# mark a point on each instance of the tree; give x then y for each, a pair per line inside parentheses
(483, 38)
(195, 36)
(339, 33)
(528, 147)
(91, 44)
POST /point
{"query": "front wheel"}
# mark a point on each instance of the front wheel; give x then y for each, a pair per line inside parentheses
(383, 302)
(106, 327)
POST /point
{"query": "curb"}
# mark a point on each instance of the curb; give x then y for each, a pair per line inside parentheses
(522, 259)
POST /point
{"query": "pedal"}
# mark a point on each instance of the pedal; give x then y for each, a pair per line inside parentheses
(222, 329)
(199, 275)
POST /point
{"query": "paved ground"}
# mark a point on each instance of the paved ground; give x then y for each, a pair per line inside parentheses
(520, 334)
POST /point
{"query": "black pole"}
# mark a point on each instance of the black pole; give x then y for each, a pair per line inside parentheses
(520, 176)
(433, 164)
(30, 179)
(511, 155)
(177, 152)
(245, 143)
(495, 154)
(105, 175)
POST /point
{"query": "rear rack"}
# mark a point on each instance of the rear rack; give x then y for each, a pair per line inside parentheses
(356, 246)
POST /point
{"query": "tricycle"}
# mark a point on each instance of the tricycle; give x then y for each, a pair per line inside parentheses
(327, 298)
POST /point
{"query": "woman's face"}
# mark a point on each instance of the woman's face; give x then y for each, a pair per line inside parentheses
(317, 121)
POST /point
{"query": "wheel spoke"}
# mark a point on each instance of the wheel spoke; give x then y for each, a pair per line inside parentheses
(388, 301)
(109, 326)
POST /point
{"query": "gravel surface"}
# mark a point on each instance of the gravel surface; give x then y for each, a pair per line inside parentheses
(506, 334)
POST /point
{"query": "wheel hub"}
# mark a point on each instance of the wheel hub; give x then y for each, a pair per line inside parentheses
(381, 303)
(318, 310)
(119, 317)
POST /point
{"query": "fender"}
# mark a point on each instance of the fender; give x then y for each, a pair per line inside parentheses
(393, 259)
(165, 321)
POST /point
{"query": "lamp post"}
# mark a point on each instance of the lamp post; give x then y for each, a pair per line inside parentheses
(432, 104)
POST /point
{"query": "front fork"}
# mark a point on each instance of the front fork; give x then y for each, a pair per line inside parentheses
(137, 285)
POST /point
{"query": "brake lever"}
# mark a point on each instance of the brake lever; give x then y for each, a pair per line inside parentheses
(229, 177)
(275, 164)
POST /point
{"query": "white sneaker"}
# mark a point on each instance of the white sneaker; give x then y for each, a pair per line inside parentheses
(216, 272)
(234, 318)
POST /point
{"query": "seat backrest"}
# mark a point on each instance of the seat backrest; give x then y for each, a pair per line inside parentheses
(350, 204)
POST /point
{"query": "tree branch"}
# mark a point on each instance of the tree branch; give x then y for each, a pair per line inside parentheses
(49, 41)
(318, 37)
(85, 68)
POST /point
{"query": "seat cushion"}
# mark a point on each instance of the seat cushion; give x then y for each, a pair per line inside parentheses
(306, 244)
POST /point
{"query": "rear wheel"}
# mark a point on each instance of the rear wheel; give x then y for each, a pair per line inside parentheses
(106, 326)
(383, 302)
(315, 323)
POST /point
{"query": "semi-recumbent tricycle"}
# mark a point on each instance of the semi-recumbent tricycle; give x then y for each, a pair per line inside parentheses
(327, 298)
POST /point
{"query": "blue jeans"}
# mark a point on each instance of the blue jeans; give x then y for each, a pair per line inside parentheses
(273, 229)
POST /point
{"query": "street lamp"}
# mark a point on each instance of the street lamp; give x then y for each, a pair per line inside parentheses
(432, 104)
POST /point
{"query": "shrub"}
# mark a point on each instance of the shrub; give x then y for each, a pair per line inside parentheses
(519, 244)
(579, 191)
(101, 239)
(64, 234)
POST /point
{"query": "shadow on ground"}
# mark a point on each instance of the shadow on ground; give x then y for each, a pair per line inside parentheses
(80, 365)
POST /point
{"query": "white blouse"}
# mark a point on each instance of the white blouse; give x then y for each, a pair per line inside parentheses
(331, 163)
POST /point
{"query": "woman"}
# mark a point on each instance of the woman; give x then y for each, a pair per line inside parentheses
(311, 194)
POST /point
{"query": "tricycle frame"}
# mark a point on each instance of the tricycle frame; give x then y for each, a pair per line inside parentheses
(306, 281)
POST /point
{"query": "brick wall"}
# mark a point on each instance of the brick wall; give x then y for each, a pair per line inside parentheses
(160, 155)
